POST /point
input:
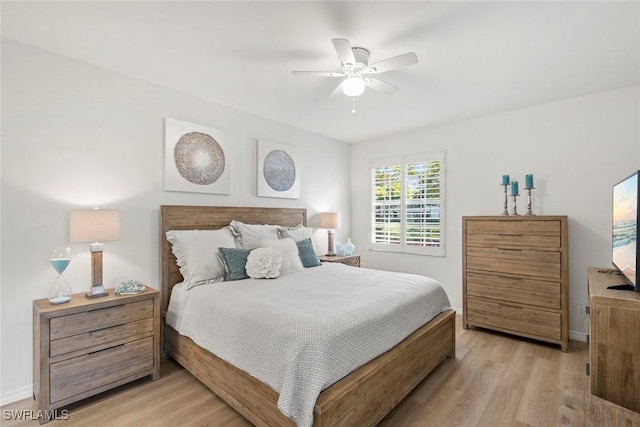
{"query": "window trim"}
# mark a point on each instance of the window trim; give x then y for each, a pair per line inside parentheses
(403, 161)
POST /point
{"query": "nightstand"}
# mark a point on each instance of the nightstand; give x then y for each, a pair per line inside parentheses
(87, 346)
(352, 260)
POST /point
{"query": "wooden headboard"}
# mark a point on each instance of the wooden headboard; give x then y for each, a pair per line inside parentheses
(211, 218)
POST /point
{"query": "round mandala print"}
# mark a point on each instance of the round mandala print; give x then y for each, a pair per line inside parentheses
(279, 170)
(199, 158)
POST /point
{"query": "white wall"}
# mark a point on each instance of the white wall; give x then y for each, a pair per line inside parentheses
(576, 149)
(75, 136)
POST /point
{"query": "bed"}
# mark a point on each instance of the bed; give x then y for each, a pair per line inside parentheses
(362, 398)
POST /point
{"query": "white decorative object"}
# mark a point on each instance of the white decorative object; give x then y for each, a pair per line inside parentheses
(349, 247)
(196, 158)
(278, 171)
(129, 287)
(264, 263)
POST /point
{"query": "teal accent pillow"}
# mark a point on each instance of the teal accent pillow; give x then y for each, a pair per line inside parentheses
(307, 254)
(235, 261)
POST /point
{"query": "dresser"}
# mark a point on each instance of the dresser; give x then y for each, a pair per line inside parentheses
(614, 340)
(86, 346)
(515, 275)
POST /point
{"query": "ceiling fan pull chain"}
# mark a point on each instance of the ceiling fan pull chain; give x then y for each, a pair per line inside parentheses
(353, 107)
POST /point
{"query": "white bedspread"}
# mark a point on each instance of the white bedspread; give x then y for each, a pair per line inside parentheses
(304, 331)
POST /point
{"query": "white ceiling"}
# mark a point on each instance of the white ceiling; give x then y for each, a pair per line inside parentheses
(475, 57)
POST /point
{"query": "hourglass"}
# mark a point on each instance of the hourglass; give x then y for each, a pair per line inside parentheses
(60, 291)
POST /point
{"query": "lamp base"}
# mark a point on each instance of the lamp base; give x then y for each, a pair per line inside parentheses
(96, 292)
(103, 294)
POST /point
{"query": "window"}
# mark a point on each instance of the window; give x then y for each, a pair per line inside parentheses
(407, 204)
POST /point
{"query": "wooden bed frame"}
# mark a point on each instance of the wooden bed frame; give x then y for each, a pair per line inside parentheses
(362, 398)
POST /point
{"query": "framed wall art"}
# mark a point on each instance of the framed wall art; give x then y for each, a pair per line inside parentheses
(196, 158)
(278, 170)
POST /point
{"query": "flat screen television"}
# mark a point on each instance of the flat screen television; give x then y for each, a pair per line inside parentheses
(624, 241)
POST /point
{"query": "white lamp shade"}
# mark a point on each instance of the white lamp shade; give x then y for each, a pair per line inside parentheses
(94, 225)
(330, 220)
(353, 86)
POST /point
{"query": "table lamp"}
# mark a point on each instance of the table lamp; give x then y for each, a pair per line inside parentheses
(330, 221)
(96, 226)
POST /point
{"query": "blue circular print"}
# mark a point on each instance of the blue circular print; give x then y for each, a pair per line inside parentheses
(199, 158)
(279, 170)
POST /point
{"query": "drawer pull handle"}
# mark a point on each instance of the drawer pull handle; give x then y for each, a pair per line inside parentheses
(107, 349)
(510, 249)
(107, 308)
(509, 235)
(501, 304)
(103, 330)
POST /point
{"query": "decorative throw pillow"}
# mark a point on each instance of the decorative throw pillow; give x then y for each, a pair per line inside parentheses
(235, 261)
(264, 263)
(307, 253)
(297, 233)
(290, 257)
(197, 254)
(250, 236)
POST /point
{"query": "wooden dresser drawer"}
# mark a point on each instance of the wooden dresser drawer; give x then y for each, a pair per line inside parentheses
(511, 317)
(101, 318)
(81, 374)
(101, 338)
(526, 262)
(516, 289)
(514, 240)
(520, 227)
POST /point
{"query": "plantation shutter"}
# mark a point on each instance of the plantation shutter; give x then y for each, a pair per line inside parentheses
(407, 198)
(386, 219)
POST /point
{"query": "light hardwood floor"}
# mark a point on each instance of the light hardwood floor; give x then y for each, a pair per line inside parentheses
(495, 380)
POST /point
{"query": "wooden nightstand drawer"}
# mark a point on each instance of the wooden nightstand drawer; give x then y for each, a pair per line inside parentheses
(94, 340)
(514, 317)
(101, 318)
(515, 289)
(94, 370)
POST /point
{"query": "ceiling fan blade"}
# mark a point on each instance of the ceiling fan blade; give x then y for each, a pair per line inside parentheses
(380, 86)
(317, 73)
(345, 53)
(399, 61)
(337, 91)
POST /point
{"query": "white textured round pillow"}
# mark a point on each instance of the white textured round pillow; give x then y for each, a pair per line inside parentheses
(264, 263)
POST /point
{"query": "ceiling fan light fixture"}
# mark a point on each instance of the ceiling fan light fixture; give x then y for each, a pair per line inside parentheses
(353, 86)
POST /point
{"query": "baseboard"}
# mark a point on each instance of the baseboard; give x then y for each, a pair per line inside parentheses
(15, 395)
(578, 336)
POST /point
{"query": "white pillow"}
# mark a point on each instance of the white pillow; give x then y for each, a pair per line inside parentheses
(297, 233)
(264, 263)
(252, 235)
(290, 258)
(197, 254)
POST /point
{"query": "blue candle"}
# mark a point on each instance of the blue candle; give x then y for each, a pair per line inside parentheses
(505, 179)
(528, 181)
(514, 188)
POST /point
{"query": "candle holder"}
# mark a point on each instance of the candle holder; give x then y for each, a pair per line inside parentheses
(505, 212)
(515, 207)
(529, 212)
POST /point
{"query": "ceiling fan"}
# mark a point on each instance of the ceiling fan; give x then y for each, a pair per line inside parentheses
(357, 71)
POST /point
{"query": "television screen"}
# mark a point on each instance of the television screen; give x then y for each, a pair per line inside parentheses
(625, 227)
